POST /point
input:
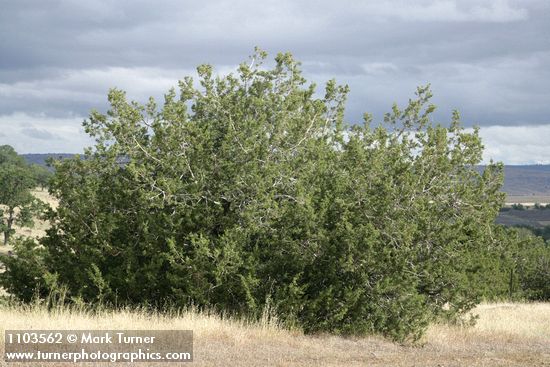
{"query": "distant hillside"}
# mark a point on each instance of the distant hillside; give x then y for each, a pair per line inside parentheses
(40, 159)
(527, 183)
(527, 180)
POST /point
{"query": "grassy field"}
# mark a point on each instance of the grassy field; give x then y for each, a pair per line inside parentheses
(506, 335)
(4, 250)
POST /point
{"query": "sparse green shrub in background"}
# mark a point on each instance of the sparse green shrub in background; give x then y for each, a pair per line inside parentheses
(251, 189)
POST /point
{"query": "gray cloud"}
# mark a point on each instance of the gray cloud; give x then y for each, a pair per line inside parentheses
(43, 134)
(517, 144)
(40, 134)
(486, 58)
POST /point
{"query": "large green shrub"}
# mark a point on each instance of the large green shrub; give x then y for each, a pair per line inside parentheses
(250, 189)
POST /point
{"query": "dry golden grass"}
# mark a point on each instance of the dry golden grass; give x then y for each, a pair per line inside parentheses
(4, 249)
(505, 335)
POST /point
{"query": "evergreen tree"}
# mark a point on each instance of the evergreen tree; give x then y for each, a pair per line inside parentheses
(251, 190)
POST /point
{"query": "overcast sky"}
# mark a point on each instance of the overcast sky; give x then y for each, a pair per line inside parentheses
(490, 59)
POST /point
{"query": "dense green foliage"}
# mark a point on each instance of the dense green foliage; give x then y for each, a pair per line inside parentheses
(251, 191)
(17, 205)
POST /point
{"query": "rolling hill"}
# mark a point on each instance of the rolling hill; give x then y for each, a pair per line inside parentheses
(533, 180)
(41, 159)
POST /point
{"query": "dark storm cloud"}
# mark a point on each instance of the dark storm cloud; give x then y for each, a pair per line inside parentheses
(169, 33)
(487, 58)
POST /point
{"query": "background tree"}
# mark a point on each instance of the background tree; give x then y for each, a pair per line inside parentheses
(42, 175)
(251, 191)
(8, 155)
(17, 204)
